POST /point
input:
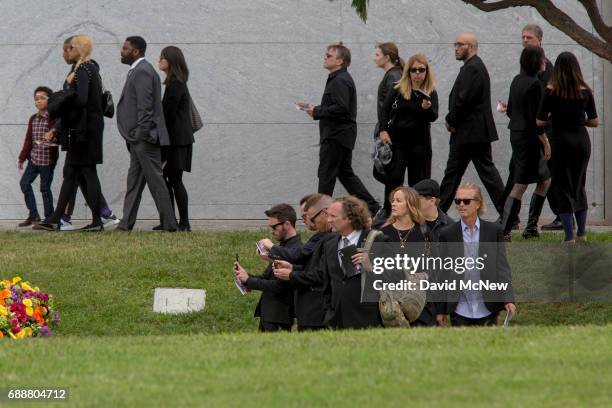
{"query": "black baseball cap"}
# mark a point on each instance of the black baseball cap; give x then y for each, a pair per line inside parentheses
(428, 188)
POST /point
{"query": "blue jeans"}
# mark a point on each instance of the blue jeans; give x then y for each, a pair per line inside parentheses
(46, 178)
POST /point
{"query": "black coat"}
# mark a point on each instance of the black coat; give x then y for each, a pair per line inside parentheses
(523, 104)
(177, 114)
(342, 295)
(82, 129)
(275, 304)
(337, 113)
(496, 267)
(385, 88)
(308, 284)
(469, 105)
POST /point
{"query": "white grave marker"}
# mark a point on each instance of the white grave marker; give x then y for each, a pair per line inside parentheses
(178, 300)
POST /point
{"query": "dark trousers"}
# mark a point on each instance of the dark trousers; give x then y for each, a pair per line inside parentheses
(69, 187)
(83, 186)
(459, 157)
(178, 192)
(335, 162)
(46, 178)
(273, 327)
(417, 159)
(310, 328)
(458, 320)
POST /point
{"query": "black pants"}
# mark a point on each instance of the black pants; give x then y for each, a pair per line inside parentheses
(417, 159)
(335, 162)
(178, 192)
(273, 327)
(69, 187)
(459, 157)
(310, 328)
(83, 186)
(458, 320)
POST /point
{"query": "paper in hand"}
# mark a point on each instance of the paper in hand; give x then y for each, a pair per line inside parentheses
(346, 254)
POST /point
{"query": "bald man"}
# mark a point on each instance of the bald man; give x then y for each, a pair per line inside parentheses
(470, 122)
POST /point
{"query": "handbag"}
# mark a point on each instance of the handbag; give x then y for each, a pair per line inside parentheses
(393, 113)
(108, 106)
(196, 119)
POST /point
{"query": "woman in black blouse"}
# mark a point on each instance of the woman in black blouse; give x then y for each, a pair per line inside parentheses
(569, 106)
(177, 156)
(405, 123)
(530, 147)
(80, 133)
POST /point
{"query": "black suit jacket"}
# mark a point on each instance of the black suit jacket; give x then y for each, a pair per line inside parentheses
(308, 285)
(523, 104)
(343, 307)
(337, 113)
(176, 113)
(496, 264)
(275, 304)
(469, 105)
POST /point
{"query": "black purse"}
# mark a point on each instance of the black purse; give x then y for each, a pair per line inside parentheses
(108, 106)
(393, 114)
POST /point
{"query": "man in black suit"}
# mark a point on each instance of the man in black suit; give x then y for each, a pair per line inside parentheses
(337, 116)
(484, 240)
(275, 307)
(350, 219)
(303, 275)
(470, 121)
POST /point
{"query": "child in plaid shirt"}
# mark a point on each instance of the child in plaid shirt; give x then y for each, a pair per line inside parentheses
(41, 151)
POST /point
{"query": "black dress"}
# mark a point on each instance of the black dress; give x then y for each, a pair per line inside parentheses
(416, 248)
(527, 160)
(178, 121)
(571, 147)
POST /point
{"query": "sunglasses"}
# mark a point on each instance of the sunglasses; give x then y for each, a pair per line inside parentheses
(273, 226)
(314, 217)
(465, 201)
(419, 70)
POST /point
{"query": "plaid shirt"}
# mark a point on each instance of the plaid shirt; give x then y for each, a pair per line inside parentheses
(41, 153)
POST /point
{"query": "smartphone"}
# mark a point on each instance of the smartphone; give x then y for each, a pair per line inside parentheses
(422, 94)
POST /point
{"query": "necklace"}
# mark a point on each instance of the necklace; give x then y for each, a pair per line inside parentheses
(403, 239)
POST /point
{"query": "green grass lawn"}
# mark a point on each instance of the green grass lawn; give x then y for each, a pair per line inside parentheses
(112, 350)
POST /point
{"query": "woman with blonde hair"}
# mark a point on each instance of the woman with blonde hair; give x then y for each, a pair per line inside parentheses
(80, 132)
(405, 123)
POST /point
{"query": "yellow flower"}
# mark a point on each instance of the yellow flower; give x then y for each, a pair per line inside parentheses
(20, 335)
(27, 302)
(16, 279)
(12, 335)
(28, 332)
(3, 311)
(25, 286)
(29, 311)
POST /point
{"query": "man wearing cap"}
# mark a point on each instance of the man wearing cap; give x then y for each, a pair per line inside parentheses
(435, 218)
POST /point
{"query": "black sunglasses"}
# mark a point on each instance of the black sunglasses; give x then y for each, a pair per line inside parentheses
(314, 217)
(419, 70)
(466, 201)
(273, 226)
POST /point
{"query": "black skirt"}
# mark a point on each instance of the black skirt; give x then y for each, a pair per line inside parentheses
(178, 157)
(528, 161)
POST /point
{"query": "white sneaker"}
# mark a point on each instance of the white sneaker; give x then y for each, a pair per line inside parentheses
(112, 220)
(66, 225)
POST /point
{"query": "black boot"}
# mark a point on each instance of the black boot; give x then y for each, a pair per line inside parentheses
(511, 211)
(535, 209)
(556, 225)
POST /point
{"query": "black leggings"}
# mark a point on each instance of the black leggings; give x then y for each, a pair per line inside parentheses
(178, 192)
(83, 187)
(417, 159)
(72, 173)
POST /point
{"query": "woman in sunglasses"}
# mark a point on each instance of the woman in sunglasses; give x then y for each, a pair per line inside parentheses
(405, 122)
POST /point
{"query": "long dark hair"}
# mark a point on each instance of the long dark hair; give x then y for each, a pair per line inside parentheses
(177, 67)
(532, 59)
(567, 81)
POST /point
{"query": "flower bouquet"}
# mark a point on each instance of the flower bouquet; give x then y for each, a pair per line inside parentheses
(25, 311)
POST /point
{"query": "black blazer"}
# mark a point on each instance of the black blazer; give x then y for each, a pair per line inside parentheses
(82, 129)
(523, 104)
(308, 285)
(385, 88)
(176, 113)
(469, 105)
(337, 113)
(275, 304)
(342, 295)
(496, 264)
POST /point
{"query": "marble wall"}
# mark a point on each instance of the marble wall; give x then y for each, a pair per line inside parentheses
(249, 61)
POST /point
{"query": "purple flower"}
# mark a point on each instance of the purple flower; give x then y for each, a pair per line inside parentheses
(56, 317)
(44, 331)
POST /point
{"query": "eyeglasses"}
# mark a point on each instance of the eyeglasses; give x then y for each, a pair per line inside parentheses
(273, 226)
(465, 201)
(314, 217)
(459, 45)
(419, 70)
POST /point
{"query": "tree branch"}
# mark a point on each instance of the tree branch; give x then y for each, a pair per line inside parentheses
(598, 23)
(498, 5)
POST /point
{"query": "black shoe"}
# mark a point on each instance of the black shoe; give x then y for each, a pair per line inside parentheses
(185, 228)
(158, 228)
(46, 226)
(380, 218)
(92, 228)
(508, 237)
(122, 229)
(29, 221)
(556, 225)
(535, 209)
